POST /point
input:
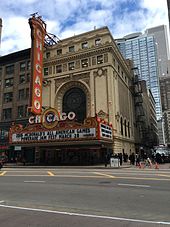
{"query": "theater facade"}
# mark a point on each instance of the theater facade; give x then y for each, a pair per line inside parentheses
(64, 141)
(83, 106)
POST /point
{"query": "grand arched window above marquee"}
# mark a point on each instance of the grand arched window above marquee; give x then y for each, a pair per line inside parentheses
(75, 100)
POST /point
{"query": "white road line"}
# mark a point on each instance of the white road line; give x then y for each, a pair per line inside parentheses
(86, 215)
(136, 185)
(1, 201)
(33, 181)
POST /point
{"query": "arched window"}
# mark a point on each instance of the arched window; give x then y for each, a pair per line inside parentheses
(121, 126)
(128, 129)
(125, 127)
(75, 100)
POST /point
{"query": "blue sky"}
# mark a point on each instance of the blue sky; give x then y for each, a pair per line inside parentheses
(65, 18)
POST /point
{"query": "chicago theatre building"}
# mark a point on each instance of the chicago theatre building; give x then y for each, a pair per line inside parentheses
(87, 108)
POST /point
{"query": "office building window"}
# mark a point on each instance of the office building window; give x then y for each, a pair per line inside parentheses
(26, 111)
(84, 63)
(59, 51)
(21, 94)
(71, 49)
(28, 65)
(28, 77)
(27, 93)
(22, 78)
(71, 65)
(20, 111)
(7, 114)
(98, 41)
(9, 69)
(8, 97)
(125, 126)
(9, 82)
(121, 126)
(45, 71)
(128, 129)
(58, 68)
(100, 59)
(84, 45)
(48, 55)
(0, 72)
(22, 66)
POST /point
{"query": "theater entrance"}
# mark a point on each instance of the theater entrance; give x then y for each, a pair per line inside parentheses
(72, 156)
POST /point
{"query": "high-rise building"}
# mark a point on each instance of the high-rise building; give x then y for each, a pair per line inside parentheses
(161, 37)
(168, 4)
(0, 30)
(142, 50)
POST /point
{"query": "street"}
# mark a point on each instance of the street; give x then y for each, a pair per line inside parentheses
(84, 197)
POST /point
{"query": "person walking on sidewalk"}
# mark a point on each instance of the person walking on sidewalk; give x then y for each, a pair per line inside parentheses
(1, 164)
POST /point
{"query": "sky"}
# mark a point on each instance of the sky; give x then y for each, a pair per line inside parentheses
(66, 18)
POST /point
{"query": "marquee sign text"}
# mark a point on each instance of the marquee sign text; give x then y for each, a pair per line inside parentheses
(55, 135)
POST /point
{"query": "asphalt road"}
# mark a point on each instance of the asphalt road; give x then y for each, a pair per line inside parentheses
(84, 197)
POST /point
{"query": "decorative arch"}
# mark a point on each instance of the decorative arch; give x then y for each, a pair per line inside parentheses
(70, 86)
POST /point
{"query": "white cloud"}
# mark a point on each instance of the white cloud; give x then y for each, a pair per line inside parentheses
(65, 18)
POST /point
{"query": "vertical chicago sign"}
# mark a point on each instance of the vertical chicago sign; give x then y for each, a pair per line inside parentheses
(38, 32)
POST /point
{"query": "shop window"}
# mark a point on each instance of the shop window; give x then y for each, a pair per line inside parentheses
(84, 63)
(58, 68)
(8, 97)
(9, 69)
(46, 71)
(22, 78)
(9, 82)
(71, 49)
(59, 51)
(84, 45)
(100, 59)
(71, 65)
(7, 114)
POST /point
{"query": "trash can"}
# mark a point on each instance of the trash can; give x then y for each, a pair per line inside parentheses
(114, 162)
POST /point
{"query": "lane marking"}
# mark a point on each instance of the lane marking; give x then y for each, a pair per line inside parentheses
(136, 185)
(1, 201)
(50, 173)
(86, 215)
(34, 181)
(106, 175)
(3, 173)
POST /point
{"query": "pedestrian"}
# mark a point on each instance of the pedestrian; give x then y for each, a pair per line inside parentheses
(137, 160)
(105, 160)
(1, 164)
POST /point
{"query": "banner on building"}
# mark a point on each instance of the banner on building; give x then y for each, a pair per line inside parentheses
(38, 31)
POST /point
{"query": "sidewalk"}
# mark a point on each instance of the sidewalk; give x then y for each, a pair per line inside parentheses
(100, 166)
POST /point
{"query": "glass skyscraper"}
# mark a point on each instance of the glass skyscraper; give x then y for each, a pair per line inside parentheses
(142, 50)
